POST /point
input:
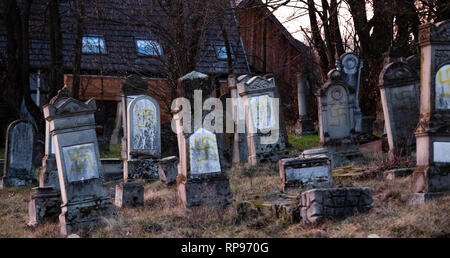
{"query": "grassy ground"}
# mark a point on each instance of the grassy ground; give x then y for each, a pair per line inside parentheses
(161, 215)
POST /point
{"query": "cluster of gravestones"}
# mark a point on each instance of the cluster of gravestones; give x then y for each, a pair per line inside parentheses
(71, 182)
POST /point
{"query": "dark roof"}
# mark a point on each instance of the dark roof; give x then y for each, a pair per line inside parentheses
(114, 22)
(267, 13)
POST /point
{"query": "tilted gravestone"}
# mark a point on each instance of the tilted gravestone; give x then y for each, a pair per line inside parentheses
(262, 123)
(84, 196)
(305, 173)
(431, 177)
(336, 101)
(18, 168)
(201, 179)
(400, 96)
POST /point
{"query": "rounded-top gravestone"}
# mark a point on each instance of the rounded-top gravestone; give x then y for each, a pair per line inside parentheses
(18, 168)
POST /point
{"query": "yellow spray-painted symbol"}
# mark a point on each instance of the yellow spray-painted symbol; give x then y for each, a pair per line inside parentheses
(337, 113)
(148, 113)
(77, 159)
(445, 82)
(205, 148)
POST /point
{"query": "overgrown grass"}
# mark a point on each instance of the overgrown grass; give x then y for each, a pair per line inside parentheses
(113, 153)
(299, 144)
(161, 215)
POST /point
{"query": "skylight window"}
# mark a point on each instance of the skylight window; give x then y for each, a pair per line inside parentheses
(221, 52)
(148, 47)
(94, 45)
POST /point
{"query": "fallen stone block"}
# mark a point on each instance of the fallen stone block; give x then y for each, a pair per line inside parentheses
(44, 206)
(319, 204)
(397, 173)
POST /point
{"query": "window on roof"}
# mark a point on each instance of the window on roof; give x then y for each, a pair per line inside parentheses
(148, 47)
(94, 45)
(221, 52)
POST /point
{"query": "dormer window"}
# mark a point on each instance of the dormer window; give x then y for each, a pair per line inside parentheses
(221, 53)
(148, 48)
(94, 45)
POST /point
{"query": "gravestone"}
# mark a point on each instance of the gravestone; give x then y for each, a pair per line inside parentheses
(18, 169)
(143, 138)
(168, 170)
(305, 173)
(350, 67)
(336, 101)
(84, 197)
(400, 96)
(305, 125)
(264, 139)
(431, 177)
(201, 179)
(49, 171)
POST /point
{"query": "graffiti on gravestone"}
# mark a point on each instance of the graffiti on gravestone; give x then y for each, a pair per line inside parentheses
(204, 155)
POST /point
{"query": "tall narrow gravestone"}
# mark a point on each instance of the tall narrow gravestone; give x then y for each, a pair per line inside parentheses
(201, 178)
(400, 96)
(262, 123)
(305, 125)
(336, 120)
(84, 196)
(432, 174)
(143, 138)
(18, 168)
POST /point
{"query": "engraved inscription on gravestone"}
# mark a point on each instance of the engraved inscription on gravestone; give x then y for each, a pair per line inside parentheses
(441, 152)
(144, 130)
(307, 173)
(204, 156)
(262, 112)
(443, 88)
(80, 162)
(338, 117)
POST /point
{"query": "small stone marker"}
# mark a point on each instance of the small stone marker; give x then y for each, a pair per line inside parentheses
(201, 180)
(129, 195)
(431, 177)
(398, 173)
(319, 204)
(262, 119)
(84, 196)
(306, 173)
(400, 96)
(168, 170)
(18, 168)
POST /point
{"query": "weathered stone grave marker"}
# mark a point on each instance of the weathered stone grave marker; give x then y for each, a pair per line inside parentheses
(201, 179)
(168, 169)
(305, 173)
(264, 140)
(400, 96)
(84, 196)
(18, 169)
(336, 101)
(431, 178)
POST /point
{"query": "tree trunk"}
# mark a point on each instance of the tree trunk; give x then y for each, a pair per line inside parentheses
(78, 49)
(56, 68)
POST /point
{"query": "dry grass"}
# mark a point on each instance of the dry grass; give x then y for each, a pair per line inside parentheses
(162, 217)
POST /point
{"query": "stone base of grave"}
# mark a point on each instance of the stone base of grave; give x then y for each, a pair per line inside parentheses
(398, 173)
(44, 205)
(431, 179)
(341, 156)
(305, 173)
(142, 169)
(17, 181)
(129, 195)
(205, 190)
(168, 170)
(304, 127)
(320, 204)
(422, 198)
(83, 212)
